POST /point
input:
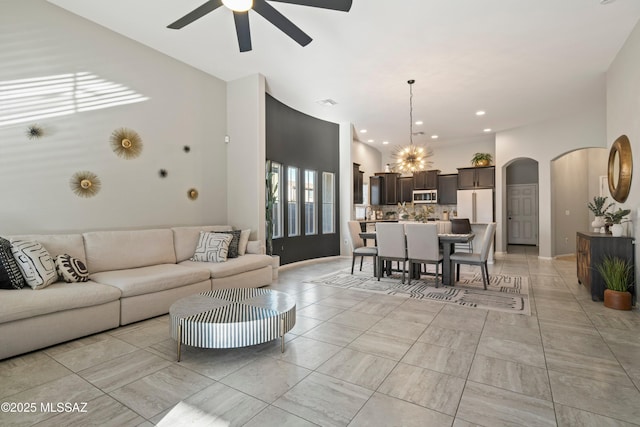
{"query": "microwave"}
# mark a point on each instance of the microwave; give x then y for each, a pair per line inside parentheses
(425, 196)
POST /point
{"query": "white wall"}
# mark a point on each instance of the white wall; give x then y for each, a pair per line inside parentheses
(246, 154)
(623, 117)
(544, 142)
(183, 107)
(369, 159)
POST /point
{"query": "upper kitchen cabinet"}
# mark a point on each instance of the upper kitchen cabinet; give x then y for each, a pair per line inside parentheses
(405, 189)
(482, 177)
(389, 188)
(358, 180)
(448, 189)
(425, 180)
(376, 190)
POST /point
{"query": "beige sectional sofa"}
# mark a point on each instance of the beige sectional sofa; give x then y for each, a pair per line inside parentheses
(133, 275)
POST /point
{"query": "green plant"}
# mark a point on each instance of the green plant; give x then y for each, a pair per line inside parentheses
(271, 194)
(480, 158)
(616, 273)
(617, 216)
(597, 206)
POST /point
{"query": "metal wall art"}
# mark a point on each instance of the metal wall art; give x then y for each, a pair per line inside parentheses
(126, 143)
(620, 169)
(192, 194)
(85, 184)
(35, 131)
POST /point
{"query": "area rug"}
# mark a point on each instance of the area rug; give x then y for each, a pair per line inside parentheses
(504, 293)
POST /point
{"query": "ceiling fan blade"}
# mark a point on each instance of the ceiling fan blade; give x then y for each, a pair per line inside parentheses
(342, 5)
(269, 13)
(196, 13)
(242, 30)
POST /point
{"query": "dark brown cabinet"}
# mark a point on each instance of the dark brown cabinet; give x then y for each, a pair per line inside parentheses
(405, 189)
(481, 177)
(389, 188)
(425, 180)
(376, 191)
(591, 249)
(448, 189)
(358, 180)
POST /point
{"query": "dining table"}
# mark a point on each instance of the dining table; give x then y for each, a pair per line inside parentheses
(448, 242)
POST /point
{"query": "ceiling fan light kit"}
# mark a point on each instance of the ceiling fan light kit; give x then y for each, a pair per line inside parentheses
(241, 10)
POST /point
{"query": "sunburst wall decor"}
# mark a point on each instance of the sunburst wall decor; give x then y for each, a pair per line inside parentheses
(126, 143)
(85, 184)
(35, 131)
(192, 193)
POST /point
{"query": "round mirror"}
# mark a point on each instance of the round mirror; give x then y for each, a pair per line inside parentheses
(620, 169)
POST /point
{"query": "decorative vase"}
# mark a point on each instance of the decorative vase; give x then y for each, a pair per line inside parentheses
(598, 223)
(616, 230)
(482, 163)
(617, 300)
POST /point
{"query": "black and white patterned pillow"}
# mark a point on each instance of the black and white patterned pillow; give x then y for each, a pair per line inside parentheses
(71, 269)
(35, 263)
(212, 247)
(10, 275)
(234, 245)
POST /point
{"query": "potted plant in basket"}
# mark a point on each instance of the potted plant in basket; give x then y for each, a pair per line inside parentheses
(617, 274)
(481, 159)
(615, 219)
(598, 209)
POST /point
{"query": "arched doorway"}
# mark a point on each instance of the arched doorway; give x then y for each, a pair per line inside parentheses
(522, 202)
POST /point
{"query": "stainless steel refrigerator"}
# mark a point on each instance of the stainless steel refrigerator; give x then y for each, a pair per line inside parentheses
(477, 205)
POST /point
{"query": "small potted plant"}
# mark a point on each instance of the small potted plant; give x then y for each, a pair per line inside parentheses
(481, 159)
(598, 209)
(615, 219)
(617, 274)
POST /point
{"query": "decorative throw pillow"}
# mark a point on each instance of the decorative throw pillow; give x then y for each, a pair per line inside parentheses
(35, 263)
(234, 244)
(10, 275)
(212, 247)
(71, 269)
(244, 240)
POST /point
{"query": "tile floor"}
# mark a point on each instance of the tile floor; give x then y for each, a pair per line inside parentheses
(358, 359)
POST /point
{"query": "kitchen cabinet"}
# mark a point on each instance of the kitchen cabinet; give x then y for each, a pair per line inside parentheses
(425, 180)
(405, 189)
(448, 189)
(480, 177)
(358, 180)
(376, 191)
(591, 248)
(389, 188)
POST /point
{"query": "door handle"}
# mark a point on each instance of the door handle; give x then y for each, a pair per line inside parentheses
(509, 217)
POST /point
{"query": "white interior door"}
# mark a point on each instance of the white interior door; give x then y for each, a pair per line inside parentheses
(522, 214)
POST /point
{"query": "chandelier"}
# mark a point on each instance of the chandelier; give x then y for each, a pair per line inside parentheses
(412, 158)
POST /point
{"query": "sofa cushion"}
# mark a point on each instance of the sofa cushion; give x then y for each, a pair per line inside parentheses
(10, 274)
(244, 240)
(58, 244)
(185, 239)
(212, 247)
(71, 269)
(121, 250)
(234, 244)
(60, 296)
(35, 263)
(232, 266)
(155, 278)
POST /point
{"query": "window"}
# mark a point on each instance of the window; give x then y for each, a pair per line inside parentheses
(310, 209)
(293, 208)
(328, 203)
(276, 179)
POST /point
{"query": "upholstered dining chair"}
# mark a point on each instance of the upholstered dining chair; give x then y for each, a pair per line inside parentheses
(359, 248)
(477, 258)
(391, 245)
(462, 226)
(423, 246)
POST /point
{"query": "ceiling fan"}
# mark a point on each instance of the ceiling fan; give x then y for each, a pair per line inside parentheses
(241, 10)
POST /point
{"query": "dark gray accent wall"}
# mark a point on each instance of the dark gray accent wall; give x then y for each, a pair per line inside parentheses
(297, 139)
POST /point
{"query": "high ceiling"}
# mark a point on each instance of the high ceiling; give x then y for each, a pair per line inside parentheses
(521, 61)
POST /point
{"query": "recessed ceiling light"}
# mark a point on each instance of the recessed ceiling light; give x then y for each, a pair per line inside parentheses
(327, 102)
(370, 140)
(487, 130)
(363, 131)
(434, 136)
(419, 122)
(480, 113)
(385, 142)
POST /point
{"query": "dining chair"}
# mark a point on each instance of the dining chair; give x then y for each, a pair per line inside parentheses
(359, 248)
(391, 245)
(423, 246)
(462, 226)
(477, 258)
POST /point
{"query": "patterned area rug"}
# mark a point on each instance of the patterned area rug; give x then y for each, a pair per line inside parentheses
(504, 293)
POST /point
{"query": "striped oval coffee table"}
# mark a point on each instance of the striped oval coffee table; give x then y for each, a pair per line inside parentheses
(231, 318)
